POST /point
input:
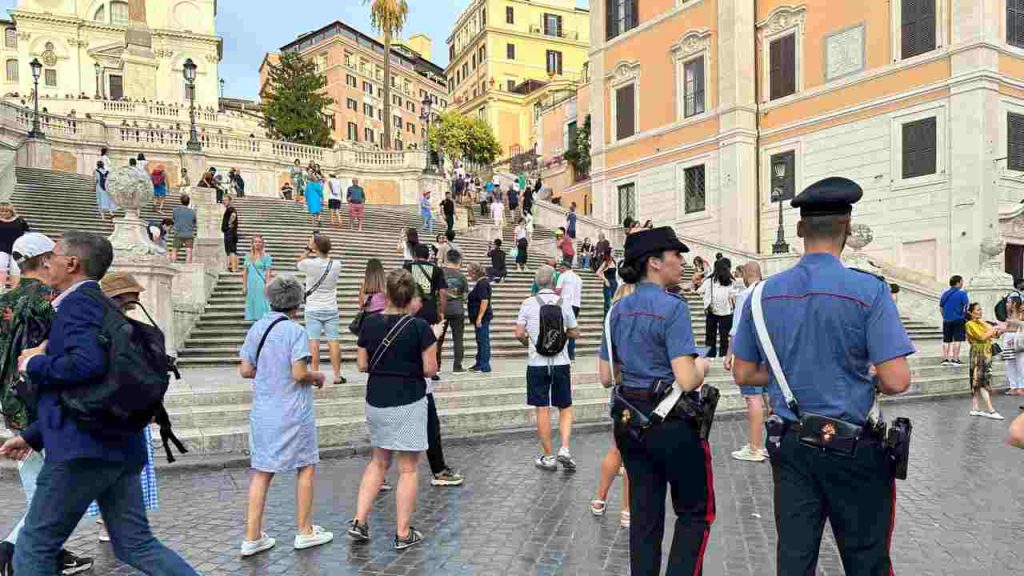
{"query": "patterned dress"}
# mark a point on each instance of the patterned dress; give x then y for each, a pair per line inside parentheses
(981, 355)
(26, 326)
(256, 305)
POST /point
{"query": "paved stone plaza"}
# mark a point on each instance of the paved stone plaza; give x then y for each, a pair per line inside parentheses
(961, 512)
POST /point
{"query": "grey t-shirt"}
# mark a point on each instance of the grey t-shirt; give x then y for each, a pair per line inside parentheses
(458, 287)
(184, 222)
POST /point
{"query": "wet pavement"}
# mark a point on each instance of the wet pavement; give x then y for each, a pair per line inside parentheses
(961, 511)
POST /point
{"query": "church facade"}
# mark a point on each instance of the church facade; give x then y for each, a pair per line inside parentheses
(112, 49)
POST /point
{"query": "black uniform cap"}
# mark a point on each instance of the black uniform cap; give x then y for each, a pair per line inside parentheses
(833, 196)
(654, 241)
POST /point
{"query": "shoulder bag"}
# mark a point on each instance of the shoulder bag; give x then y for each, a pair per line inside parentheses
(357, 323)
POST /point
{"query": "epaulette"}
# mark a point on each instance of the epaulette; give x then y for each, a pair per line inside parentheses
(872, 274)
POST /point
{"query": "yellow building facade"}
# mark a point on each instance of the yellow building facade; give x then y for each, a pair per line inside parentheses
(507, 57)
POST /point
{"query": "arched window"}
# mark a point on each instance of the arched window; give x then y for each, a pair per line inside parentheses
(12, 70)
(118, 12)
(101, 14)
(11, 38)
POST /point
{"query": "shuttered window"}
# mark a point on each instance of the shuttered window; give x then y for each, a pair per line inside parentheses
(917, 27)
(694, 199)
(510, 15)
(783, 175)
(625, 112)
(510, 51)
(693, 87)
(621, 16)
(919, 148)
(1015, 141)
(1015, 23)
(782, 62)
(553, 25)
(554, 62)
(353, 132)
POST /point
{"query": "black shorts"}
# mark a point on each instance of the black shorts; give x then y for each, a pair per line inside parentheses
(954, 331)
(548, 386)
(333, 204)
(231, 243)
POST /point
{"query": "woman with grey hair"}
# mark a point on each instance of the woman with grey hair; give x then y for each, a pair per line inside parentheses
(283, 435)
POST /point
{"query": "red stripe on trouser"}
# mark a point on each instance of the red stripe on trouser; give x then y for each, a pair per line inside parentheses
(699, 566)
(709, 514)
(892, 527)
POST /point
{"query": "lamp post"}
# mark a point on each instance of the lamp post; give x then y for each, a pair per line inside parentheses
(778, 191)
(99, 71)
(37, 69)
(221, 87)
(425, 117)
(193, 145)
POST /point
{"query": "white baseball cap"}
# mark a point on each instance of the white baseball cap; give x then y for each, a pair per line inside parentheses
(30, 245)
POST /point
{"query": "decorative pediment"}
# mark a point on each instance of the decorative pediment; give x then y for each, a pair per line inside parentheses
(783, 18)
(624, 71)
(693, 42)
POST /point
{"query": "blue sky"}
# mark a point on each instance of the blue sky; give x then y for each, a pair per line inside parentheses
(251, 28)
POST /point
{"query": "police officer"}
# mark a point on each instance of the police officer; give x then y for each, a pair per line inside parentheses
(651, 341)
(828, 325)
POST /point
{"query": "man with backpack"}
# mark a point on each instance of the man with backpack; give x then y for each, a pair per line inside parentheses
(432, 287)
(82, 463)
(545, 324)
(25, 323)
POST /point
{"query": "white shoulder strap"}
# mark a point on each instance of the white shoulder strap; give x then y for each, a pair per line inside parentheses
(757, 313)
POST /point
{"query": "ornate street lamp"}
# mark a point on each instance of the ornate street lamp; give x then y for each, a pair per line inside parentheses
(194, 145)
(221, 87)
(425, 117)
(99, 71)
(37, 69)
(779, 171)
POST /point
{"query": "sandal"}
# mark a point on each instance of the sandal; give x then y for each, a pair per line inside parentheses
(340, 380)
(624, 519)
(598, 507)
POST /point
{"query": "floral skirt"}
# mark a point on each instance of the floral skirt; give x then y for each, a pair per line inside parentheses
(980, 370)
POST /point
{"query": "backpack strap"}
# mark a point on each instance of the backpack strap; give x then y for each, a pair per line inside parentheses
(263, 340)
(167, 437)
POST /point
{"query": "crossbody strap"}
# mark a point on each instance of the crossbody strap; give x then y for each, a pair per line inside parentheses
(391, 336)
(757, 312)
(321, 280)
(263, 340)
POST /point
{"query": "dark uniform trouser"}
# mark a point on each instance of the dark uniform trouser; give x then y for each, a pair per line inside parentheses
(856, 495)
(670, 455)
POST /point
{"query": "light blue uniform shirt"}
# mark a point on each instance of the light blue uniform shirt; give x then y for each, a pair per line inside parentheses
(828, 324)
(649, 328)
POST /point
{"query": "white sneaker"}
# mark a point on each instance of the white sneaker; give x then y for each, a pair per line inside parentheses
(318, 537)
(993, 415)
(749, 454)
(976, 413)
(251, 547)
(624, 518)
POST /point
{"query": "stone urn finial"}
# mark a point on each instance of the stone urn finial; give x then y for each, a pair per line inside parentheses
(129, 186)
(991, 270)
(860, 236)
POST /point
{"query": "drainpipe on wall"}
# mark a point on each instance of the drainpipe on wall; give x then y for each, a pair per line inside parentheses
(757, 133)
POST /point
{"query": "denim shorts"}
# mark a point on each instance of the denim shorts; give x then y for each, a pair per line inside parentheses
(322, 324)
(748, 391)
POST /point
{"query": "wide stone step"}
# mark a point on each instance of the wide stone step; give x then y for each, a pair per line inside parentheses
(229, 356)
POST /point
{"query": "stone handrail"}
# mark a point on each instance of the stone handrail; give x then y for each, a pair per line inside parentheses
(548, 215)
(770, 264)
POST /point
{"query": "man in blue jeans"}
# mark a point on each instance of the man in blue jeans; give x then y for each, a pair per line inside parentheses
(81, 466)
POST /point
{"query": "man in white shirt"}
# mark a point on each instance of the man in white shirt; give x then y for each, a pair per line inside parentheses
(334, 194)
(548, 378)
(570, 288)
(322, 318)
(754, 396)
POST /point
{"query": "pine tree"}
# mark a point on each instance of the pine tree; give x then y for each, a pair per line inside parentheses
(294, 104)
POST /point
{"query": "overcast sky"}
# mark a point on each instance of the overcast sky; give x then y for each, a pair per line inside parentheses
(251, 28)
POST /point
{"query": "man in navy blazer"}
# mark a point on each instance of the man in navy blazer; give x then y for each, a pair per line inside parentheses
(81, 466)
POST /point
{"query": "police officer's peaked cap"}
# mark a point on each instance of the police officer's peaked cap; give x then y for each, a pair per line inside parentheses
(654, 241)
(833, 196)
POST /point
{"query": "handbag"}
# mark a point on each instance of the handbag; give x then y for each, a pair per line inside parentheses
(357, 323)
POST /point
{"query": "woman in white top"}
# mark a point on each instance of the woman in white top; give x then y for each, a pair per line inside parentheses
(719, 291)
(1013, 347)
(497, 211)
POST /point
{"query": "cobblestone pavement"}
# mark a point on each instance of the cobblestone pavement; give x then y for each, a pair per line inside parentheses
(961, 512)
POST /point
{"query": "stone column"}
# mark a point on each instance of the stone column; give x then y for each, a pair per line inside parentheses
(991, 283)
(156, 276)
(209, 241)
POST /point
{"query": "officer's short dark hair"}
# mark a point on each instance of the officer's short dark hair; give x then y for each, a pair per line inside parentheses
(421, 251)
(955, 279)
(830, 227)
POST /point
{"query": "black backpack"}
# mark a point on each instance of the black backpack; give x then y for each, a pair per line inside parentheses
(131, 394)
(552, 336)
(1001, 306)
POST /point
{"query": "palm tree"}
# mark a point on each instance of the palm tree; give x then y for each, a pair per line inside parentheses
(388, 18)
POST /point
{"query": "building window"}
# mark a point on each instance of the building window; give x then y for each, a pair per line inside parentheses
(783, 175)
(118, 12)
(398, 121)
(621, 16)
(351, 104)
(782, 62)
(693, 87)
(465, 69)
(100, 15)
(694, 199)
(1015, 141)
(482, 54)
(11, 38)
(511, 84)
(625, 111)
(627, 202)
(510, 51)
(351, 80)
(554, 62)
(1014, 23)
(353, 132)
(553, 25)
(368, 110)
(919, 148)
(398, 145)
(917, 27)
(50, 77)
(411, 106)
(368, 135)
(451, 52)
(411, 127)
(510, 15)
(12, 70)
(368, 88)
(473, 61)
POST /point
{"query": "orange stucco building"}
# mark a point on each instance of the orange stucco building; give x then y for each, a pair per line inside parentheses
(706, 112)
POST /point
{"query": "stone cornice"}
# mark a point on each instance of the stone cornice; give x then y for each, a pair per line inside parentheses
(90, 25)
